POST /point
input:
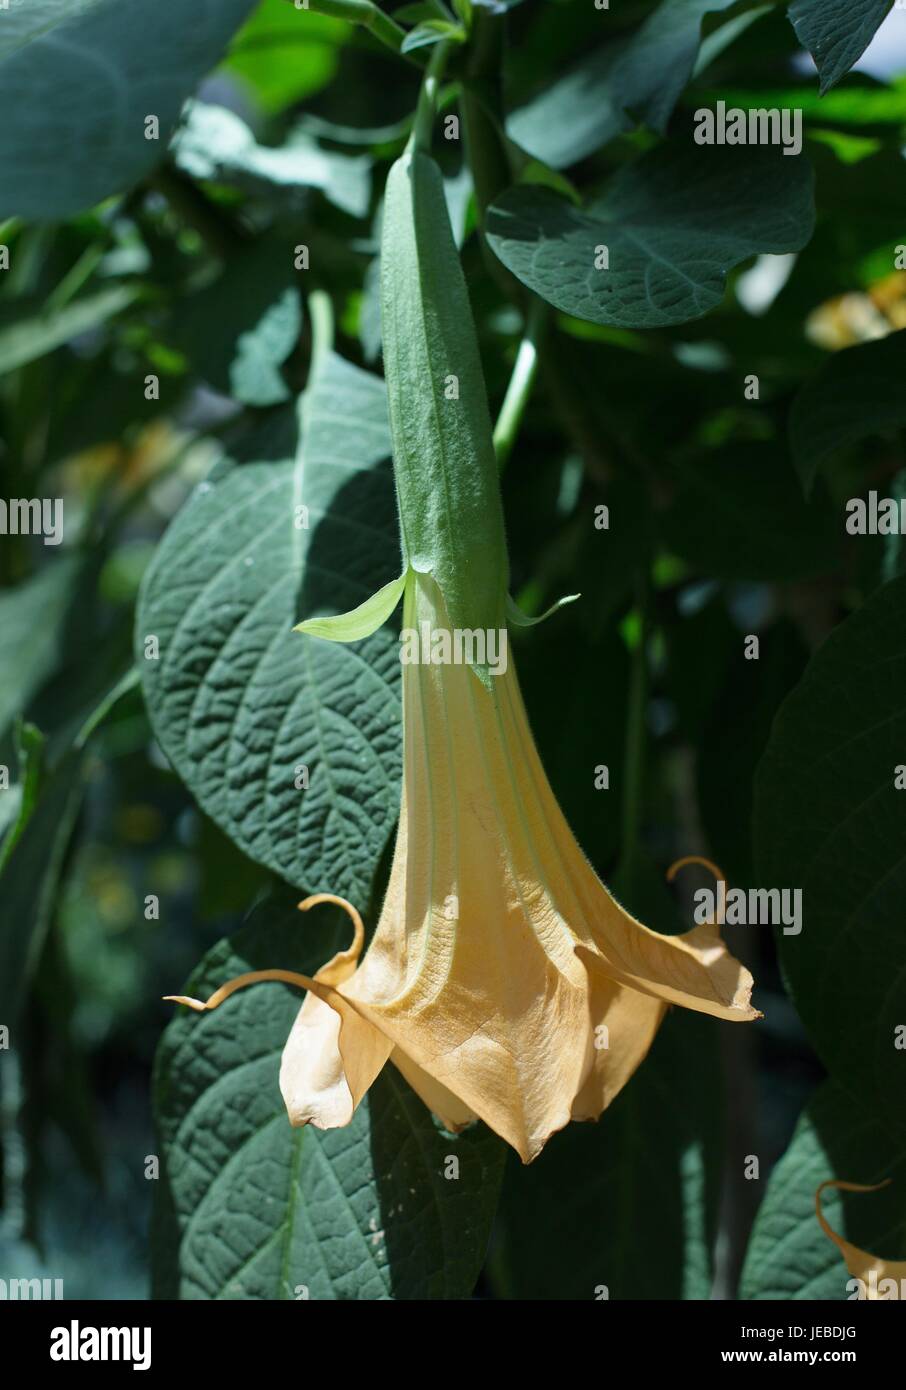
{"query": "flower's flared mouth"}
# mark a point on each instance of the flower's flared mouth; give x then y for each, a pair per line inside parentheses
(504, 980)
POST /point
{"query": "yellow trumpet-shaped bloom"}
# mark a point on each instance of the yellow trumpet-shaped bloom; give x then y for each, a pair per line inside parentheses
(503, 980)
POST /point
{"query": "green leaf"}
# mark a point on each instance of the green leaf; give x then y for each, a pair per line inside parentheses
(829, 821)
(673, 225)
(238, 700)
(738, 723)
(359, 622)
(214, 143)
(29, 328)
(629, 1202)
(856, 394)
(19, 800)
(718, 40)
(516, 616)
(254, 1209)
(789, 1256)
(238, 331)
(628, 82)
(28, 883)
(283, 55)
(25, 22)
(32, 619)
(10, 814)
(77, 81)
(434, 31)
(739, 514)
(836, 32)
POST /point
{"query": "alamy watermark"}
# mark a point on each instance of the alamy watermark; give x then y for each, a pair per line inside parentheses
(427, 646)
(880, 1287)
(771, 125)
(33, 516)
(755, 907)
(876, 516)
(78, 1343)
(26, 1290)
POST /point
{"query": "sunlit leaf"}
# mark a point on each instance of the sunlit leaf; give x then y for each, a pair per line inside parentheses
(656, 247)
(78, 81)
(240, 702)
(254, 1209)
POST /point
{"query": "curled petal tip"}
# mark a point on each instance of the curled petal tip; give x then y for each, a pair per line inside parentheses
(694, 859)
(358, 940)
(195, 1004)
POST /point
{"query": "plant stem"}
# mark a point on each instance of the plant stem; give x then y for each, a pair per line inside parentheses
(486, 148)
(481, 104)
(363, 13)
(420, 139)
(634, 770)
(320, 316)
(520, 384)
(78, 275)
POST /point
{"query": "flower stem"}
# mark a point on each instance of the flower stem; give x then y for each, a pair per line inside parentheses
(520, 383)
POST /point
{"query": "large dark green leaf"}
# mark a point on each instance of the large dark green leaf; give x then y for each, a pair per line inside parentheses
(624, 83)
(630, 1201)
(251, 1208)
(836, 32)
(77, 80)
(580, 726)
(737, 730)
(674, 224)
(856, 394)
(789, 1256)
(829, 820)
(238, 700)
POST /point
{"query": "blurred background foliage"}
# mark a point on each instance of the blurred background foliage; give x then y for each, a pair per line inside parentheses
(722, 524)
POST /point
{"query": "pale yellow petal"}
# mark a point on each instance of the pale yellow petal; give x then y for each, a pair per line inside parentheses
(624, 1025)
(331, 1057)
(332, 1054)
(512, 1046)
(449, 1109)
(695, 970)
(883, 1279)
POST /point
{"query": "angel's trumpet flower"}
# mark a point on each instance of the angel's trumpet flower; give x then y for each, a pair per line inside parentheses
(503, 980)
